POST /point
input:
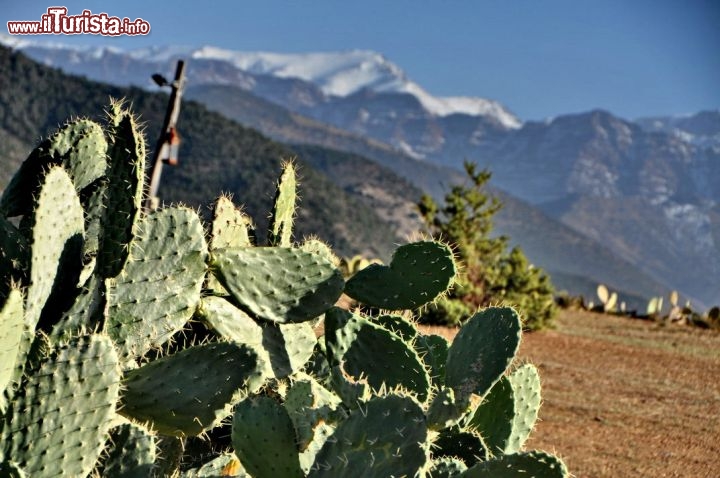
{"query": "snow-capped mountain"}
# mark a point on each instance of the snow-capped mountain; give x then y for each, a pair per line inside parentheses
(701, 129)
(335, 74)
(644, 189)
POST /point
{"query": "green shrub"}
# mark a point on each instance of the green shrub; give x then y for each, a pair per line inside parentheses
(490, 275)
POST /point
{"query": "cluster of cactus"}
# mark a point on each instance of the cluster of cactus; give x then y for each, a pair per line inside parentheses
(608, 300)
(124, 333)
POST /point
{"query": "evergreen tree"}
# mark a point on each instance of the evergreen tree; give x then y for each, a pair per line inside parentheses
(491, 275)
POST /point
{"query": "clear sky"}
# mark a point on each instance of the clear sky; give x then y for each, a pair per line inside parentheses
(540, 58)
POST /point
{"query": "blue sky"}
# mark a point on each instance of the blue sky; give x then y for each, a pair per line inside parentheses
(540, 58)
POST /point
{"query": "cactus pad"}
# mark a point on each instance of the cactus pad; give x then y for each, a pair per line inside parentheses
(57, 232)
(535, 463)
(281, 220)
(159, 288)
(284, 348)
(371, 351)
(493, 418)
(418, 273)
(433, 350)
(230, 227)
(466, 445)
(60, 417)
(124, 192)
(383, 437)
(264, 439)
(12, 326)
(225, 465)
(399, 325)
(482, 351)
(191, 391)
(131, 454)
(444, 410)
(526, 397)
(79, 146)
(279, 284)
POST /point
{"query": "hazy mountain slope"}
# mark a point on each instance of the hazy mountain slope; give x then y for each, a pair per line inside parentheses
(286, 126)
(649, 197)
(701, 129)
(216, 155)
(576, 263)
(206, 169)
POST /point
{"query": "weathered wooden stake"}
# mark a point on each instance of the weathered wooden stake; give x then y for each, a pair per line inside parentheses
(166, 147)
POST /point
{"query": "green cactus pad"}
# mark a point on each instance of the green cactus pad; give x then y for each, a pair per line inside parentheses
(493, 418)
(433, 350)
(230, 226)
(11, 334)
(281, 220)
(57, 236)
(318, 365)
(159, 288)
(418, 273)
(93, 202)
(371, 351)
(446, 467)
(132, 453)
(465, 445)
(59, 419)
(279, 284)
(399, 325)
(534, 464)
(192, 391)
(85, 313)
(124, 192)
(383, 437)
(445, 410)
(308, 403)
(351, 391)
(264, 439)
(526, 391)
(225, 465)
(289, 346)
(482, 351)
(285, 348)
(79, 146)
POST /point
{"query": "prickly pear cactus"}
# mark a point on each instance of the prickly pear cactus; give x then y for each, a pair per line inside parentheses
(191, 391)
(417, 274)
(159, 288)
(281, 219)
(60, 417)
(279, 284)
(188, 336)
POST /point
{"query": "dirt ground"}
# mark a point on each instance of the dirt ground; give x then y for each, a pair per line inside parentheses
(628, 398)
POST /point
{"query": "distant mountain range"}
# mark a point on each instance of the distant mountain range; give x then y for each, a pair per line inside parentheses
(644, 190)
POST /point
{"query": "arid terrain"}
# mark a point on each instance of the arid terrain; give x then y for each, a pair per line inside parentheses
(628, 398)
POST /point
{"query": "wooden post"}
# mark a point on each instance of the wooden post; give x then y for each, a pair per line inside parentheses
(162, 148)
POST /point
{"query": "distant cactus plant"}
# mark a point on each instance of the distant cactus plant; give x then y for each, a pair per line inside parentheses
(124, 334)
(607, 299)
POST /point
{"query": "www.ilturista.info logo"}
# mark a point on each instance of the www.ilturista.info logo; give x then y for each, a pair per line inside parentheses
(57, 22)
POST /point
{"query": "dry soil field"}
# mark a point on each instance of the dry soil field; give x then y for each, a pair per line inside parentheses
(628, 398)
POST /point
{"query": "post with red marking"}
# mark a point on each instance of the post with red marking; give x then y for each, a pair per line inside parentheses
(168, 144)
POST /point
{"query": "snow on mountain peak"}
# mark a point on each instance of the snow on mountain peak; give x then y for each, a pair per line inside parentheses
(345, 73)
(335, 73)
